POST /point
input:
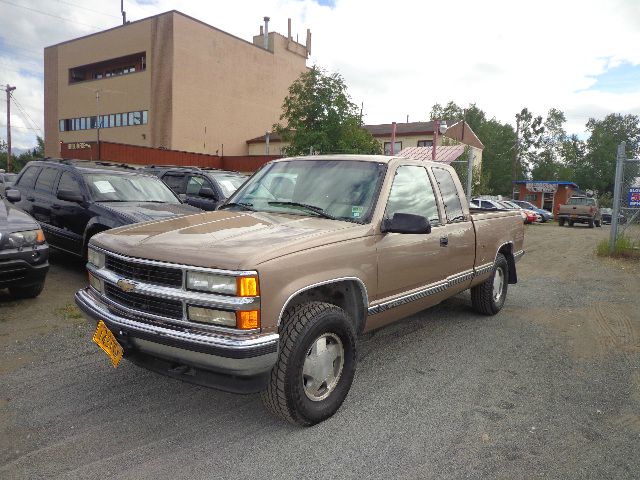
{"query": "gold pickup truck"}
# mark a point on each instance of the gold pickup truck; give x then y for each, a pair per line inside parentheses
(272, 292)
(580, 210)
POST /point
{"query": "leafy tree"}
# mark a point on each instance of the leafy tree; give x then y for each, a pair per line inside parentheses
(598, 168)
(18, 162)
(320, 116)
(529, 130)
(547, 163)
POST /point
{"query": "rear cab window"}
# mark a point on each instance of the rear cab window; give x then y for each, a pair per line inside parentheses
(581, 201)
(450, 197)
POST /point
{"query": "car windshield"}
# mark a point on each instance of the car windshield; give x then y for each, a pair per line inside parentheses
(509, 205)
(10, 177)
(229, 182)
(338, 189)
(112, 187)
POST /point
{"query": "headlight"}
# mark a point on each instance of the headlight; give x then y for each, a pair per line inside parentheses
(214, 283)
(96, 258)
(209, 315)
(28, 238)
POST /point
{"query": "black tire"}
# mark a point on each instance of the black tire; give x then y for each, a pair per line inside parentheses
(31, 291)
(570, 223)
(591, 224)
(301, 327)
(561, 222)
(598, 223)
(483, 297)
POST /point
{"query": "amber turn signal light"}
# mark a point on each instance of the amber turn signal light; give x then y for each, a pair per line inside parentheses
(248, 319)
(40, 237)
(247, 286)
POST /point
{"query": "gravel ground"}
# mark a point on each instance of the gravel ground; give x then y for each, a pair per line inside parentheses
(548, 388)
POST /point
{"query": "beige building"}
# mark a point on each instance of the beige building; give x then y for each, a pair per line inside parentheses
(171, 82)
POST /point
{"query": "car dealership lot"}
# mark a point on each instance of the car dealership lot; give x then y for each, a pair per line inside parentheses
(548, 388)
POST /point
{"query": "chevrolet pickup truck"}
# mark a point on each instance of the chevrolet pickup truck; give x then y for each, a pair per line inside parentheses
(272, 292)
(580, 210)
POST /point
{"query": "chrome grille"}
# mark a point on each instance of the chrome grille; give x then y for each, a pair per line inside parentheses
(154, 274)
(144, 303)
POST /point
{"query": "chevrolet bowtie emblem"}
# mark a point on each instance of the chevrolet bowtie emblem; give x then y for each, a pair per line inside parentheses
(125, 285)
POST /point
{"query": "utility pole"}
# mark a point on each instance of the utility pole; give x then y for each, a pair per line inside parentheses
(9, 89)
(516, 154)
(98, 122)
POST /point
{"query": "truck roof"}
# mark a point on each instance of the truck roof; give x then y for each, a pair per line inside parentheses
(361, 158)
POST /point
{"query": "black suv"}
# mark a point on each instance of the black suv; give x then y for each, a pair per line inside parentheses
(24, 253)
(74, 199)
(205, 188)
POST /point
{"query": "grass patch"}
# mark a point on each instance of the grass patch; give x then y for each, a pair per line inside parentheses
(625, 247)
(69, 312)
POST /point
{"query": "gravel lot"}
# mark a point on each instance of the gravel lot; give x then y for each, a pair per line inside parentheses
(549, 388)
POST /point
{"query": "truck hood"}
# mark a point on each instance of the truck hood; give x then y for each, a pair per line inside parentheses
(226, 239)
(144, 211)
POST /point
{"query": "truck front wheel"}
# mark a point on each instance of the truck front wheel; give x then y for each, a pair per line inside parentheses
(316, 364)
(488, 297)
(561, 222)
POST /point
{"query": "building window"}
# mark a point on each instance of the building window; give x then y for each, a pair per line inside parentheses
(531, 197)
(396, 149)
(109, 68)
(118, 119)
(139, 117)
(516, 194)
(425, 143)
(144, 117)
(61, 125)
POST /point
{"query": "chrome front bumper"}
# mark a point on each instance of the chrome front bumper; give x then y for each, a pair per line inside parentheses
(186, 352)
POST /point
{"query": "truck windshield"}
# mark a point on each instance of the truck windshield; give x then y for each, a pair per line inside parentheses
(581, 201)
(110, 187)
(337, 189)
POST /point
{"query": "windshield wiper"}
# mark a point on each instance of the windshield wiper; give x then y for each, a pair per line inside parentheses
(313, 208)
(246, 206)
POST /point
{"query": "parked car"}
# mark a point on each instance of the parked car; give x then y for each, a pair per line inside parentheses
(6, 180)
(73, 199)
(205, 188)
(544, 214)
(530, 215)
(271, 292)
(582, 209)
(489, 204)
(606, 215)
(24, 253)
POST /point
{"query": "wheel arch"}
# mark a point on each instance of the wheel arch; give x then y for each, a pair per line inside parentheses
(348, 293)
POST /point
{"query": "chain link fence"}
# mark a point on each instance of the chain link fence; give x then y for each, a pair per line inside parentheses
(625, 218)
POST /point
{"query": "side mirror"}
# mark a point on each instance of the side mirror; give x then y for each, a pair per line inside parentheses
(406, 223)
(70, 196)
(208, 193)
(182, 197)
(13, 195)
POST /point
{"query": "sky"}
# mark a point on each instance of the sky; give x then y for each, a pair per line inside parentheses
(398, 57)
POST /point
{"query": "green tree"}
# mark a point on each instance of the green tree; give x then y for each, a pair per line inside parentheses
(529, 130)
(547, 163)
(19, 161)
(597, 170)
(319, 115)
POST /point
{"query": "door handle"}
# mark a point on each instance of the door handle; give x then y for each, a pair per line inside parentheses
(444, 241)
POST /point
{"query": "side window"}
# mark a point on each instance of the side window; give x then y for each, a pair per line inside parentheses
(485, 204)
(175, 183)
(411, 192)
(194, 184)
(46, 179)
(449, 192)
(28, 178)
(68, 182)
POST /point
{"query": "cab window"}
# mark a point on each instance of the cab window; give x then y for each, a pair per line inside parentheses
(175, 183)
(194, 184)
(28, 178)
(68, 182)
(449, 193)
(412, 192)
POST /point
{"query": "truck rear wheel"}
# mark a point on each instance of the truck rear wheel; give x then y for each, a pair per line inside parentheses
(591, 224)
(561, 222)
(488, 297)
(316, 364)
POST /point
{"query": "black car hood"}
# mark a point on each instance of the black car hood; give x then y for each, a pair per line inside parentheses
(13, 219)
(146, 211)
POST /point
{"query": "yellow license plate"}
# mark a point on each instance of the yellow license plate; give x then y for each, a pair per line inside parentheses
(107, 342)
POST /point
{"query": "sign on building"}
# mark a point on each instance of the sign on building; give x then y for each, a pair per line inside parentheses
(542, 187)
(634, 197)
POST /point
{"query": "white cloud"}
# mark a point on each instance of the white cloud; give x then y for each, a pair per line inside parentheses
(398, 58)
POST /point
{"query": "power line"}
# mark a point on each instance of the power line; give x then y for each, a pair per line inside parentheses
(4, 125)
(89, 9)
(50, 14)
(24, 112)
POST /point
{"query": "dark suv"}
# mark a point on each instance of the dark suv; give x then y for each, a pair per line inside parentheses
(24, 254)
(205, 188)
(74, 199)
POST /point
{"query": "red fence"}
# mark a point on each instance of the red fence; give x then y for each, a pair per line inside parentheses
(137, 155)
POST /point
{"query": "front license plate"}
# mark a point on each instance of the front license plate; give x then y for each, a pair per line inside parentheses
(107, 342)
